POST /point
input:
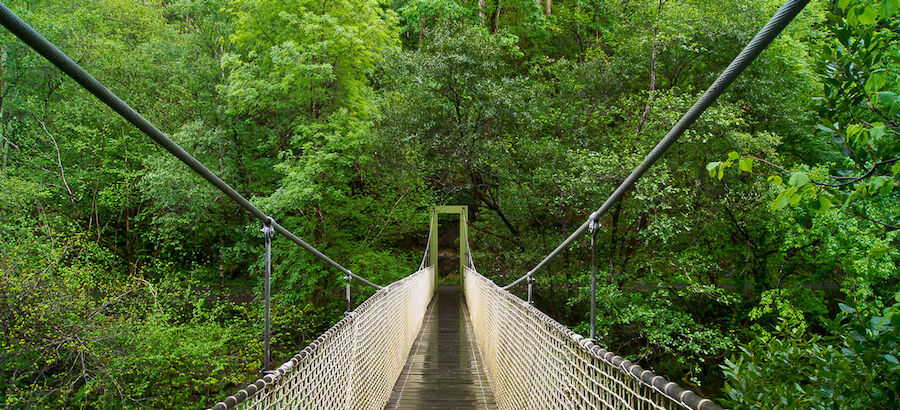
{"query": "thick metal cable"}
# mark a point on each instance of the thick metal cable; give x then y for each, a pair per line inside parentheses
(353, 365)
(45, 48)
(759, 43)
(534, 362)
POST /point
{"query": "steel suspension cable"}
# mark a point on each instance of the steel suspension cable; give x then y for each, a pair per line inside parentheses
(45, 48)
(759, 43)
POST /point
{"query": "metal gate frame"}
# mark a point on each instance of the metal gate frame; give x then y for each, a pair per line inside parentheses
(463, 212)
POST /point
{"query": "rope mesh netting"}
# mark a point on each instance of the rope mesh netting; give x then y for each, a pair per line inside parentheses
(534, 362)
(353, 365)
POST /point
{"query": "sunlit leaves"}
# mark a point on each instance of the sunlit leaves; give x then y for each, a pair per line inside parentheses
(299, 61)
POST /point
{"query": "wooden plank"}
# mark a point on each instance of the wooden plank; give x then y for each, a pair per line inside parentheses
(444, 369)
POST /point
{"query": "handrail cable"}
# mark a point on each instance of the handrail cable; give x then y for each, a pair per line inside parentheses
(759, 43)
(45, 48)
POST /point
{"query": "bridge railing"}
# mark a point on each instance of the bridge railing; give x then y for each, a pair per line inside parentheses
(534, 362)
(353, 365)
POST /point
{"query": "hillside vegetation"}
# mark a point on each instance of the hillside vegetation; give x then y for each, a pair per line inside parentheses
(756, 263)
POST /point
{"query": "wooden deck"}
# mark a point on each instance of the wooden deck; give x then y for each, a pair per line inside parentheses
(444, 369)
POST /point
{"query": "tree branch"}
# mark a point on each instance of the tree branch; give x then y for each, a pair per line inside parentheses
(849, 180)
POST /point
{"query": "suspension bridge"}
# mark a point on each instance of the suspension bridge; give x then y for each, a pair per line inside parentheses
(414, 344)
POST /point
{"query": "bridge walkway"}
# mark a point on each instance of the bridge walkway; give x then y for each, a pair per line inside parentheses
(445, 368)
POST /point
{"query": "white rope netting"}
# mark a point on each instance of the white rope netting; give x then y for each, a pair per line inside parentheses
(534, 362)
(353, 365)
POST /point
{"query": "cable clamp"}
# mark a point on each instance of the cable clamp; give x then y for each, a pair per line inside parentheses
(593, 223)
(268, 230)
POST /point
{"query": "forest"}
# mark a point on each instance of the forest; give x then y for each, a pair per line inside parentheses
(755, 264)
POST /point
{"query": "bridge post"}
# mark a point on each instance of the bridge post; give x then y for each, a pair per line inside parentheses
(433, 246)
(594, 227)
(267, 231)
(463, 247)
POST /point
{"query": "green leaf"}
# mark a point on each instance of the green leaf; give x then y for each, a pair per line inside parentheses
(878, 252)
(775, 180)
(822, 205)
(843, 4)
(721, 172)
(711, 167)
(780, 202)
(854, 134)
(733, 155)
(895, 169)
(885, 98)
(793, 196)
(868, 15)
(876, 132)
(890, 358)
(798, 179)
(889, 8)
(876, 81)
(886, 188)
(846, 309)
(746, 164)
(877, 182)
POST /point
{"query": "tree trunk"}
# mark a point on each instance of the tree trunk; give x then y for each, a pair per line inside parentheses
(548, 4)
(2, 93)
(481, 11)
(646, 112)
(421, 31)
(495, 25)
(653, 54)
(613, 243)
(221, 266)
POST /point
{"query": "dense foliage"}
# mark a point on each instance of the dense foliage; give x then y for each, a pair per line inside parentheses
(762, 250)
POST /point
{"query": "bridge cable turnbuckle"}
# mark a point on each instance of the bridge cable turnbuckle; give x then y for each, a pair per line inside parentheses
(530, 281)
(349, 279)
